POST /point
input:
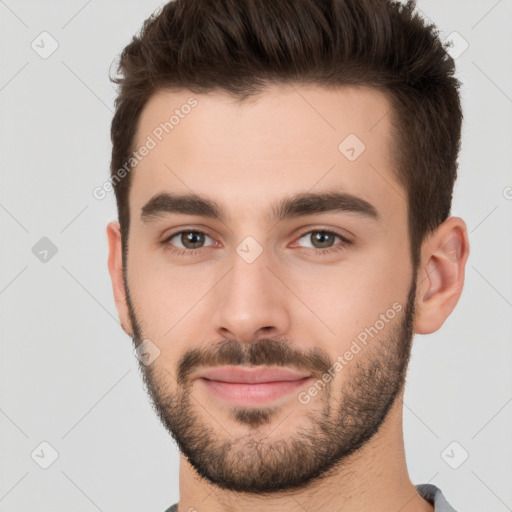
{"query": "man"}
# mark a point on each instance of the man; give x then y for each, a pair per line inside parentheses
(284, 172)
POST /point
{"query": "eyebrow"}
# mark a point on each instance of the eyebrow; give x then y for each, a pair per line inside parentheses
(291, 207)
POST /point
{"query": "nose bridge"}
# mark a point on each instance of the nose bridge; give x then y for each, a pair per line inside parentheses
(250, 297)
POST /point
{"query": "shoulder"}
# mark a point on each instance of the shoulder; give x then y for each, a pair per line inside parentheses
(434, 496)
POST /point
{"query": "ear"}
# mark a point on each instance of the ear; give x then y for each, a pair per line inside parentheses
(441, 275)
(115, 268)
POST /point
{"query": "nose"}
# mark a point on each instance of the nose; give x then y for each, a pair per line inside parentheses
(251, 302)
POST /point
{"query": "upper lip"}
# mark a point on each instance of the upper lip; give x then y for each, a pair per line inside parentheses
(252, 375)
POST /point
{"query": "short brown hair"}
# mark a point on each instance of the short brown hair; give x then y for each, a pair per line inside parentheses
(241, 46)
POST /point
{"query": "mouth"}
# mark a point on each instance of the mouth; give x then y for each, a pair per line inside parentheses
(251, 386)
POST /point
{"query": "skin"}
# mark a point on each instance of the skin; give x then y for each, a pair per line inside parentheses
(286, 143)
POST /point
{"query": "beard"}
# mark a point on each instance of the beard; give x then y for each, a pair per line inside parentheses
(328, 429)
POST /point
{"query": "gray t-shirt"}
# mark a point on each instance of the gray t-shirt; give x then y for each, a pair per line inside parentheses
(428, 491)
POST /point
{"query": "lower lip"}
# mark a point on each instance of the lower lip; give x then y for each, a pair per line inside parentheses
(251, 394)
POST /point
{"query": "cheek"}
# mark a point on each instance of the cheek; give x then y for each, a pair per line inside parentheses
(163, 294)
(344, 300)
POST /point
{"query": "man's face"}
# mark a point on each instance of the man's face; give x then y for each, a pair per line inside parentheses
(301, 288)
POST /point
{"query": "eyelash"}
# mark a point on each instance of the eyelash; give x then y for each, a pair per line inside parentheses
(193, 252)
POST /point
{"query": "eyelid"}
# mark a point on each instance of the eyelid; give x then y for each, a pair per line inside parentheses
(172, 232)
(342, 233)
(167, 238)
(344, 239)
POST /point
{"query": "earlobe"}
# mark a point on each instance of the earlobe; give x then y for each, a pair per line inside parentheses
(115, 268)
(441, 279)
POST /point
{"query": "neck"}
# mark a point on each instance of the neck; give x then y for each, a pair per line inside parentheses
(374, 478)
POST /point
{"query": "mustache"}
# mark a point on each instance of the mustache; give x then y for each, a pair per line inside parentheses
(263, 352)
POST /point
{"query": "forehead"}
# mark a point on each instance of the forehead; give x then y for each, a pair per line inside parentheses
(288, 139)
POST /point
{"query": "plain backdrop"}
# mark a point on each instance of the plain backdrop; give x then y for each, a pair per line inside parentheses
(68, 374)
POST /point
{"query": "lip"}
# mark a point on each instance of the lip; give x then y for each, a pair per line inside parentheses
(251, 386)
(251, 375)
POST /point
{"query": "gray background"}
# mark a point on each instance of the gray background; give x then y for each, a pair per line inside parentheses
(68, 374)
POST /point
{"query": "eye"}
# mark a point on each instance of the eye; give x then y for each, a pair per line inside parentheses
(322, 239)
(189, 240)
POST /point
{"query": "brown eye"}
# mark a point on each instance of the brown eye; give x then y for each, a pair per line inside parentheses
(320, 239)
(189, 240)
(192, 239)
(323, 242)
